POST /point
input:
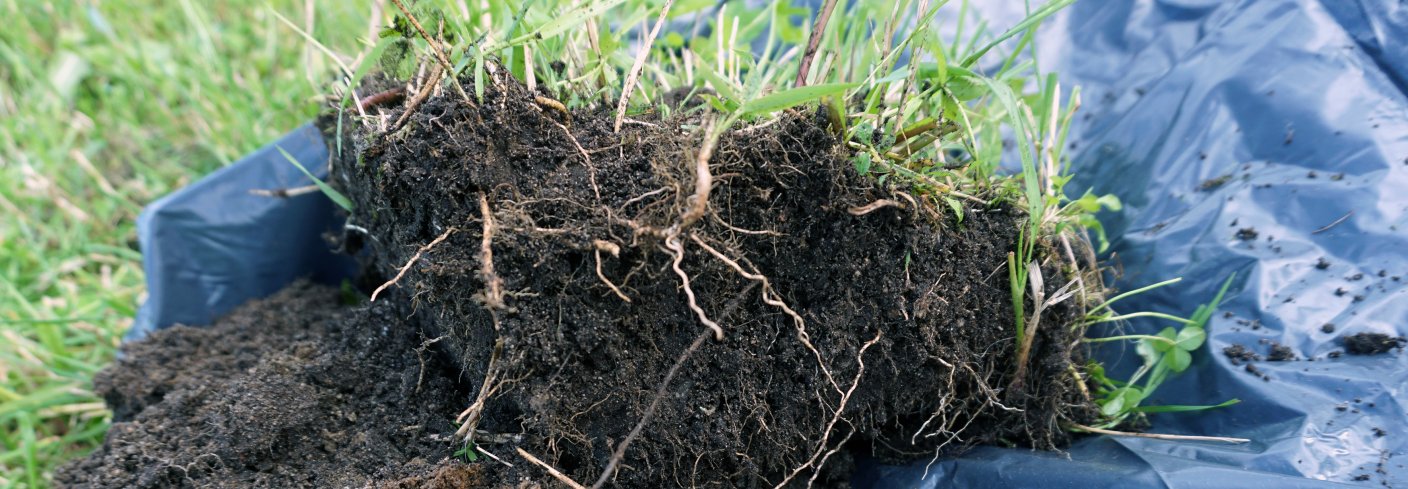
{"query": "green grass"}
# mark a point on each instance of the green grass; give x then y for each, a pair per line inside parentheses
(105, 106)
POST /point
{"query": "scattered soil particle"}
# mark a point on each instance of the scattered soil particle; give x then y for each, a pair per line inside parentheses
(1371, 343)
(1328, 328)
(1280, 353)
(1379, 432)
(1322, 264)
(1239, 354)
(296, 390)
(1213, 183)
(1256, 372)
(1246, 234)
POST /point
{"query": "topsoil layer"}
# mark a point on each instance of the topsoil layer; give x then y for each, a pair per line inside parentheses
(292, 391)
(559, 265)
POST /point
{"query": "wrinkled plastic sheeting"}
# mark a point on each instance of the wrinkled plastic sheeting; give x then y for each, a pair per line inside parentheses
(1301, 106)
(213, 245)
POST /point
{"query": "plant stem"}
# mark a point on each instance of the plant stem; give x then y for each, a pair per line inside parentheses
(1156, 436)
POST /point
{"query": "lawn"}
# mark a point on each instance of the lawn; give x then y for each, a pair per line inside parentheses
(105, 106)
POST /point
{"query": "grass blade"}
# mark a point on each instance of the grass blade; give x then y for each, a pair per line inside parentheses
(332, 193)
(792, 97)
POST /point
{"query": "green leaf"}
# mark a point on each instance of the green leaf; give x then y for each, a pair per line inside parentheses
(1178, 359)
(1162, 346)
(1031, 20)
(956, 206)
(794, 96)
(332, 193)
(1183, 409)
(1112, 406)
(723, 87)
(570, 19)
(1111, 202)
(862, 162)
(1190, 338)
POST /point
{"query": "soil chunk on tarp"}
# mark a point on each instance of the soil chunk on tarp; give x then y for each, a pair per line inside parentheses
(293, 391)
(548, 253)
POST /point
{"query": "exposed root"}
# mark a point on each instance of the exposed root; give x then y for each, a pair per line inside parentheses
(703, 182)
(561, 477)
(840, 409)
(771, 298)
(412, 261)
(1158, 436)
(493, 299)
(586, 158)
(620, 452)
(425, 90)
(875, 206)
(675, 248)
(615, 251)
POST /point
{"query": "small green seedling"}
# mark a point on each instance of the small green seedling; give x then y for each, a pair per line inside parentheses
(1169, 352)
(467, 453)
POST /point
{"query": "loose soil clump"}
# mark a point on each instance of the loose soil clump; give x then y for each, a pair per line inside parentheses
(770, 315)
(296, 390)
(1371, 343)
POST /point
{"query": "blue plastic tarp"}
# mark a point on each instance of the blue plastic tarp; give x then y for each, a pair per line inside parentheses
(1299, 104)
(215, 244)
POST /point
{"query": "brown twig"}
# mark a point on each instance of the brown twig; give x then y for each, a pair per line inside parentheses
(814, 42)
(412, 261)
(551, 470)
(1159, 436)
(435, 47)
(639, 64)
(1333, 224)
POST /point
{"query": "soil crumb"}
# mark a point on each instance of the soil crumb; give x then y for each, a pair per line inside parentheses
(296, 390)
(1239, 354)
(1371, 343)
(1280, 353)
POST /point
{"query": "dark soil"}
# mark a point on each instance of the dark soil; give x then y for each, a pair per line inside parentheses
(568, 366)
(292, 391)
(1371, 343)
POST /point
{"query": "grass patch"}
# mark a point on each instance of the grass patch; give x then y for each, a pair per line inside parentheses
(105, 106)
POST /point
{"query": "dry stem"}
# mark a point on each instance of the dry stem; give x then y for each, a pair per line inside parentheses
(412, 261)
(551, 470)
(634, 74)
(1159, 436)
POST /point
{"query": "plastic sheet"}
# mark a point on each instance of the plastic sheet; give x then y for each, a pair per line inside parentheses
(1299, 104)
(214, 245)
